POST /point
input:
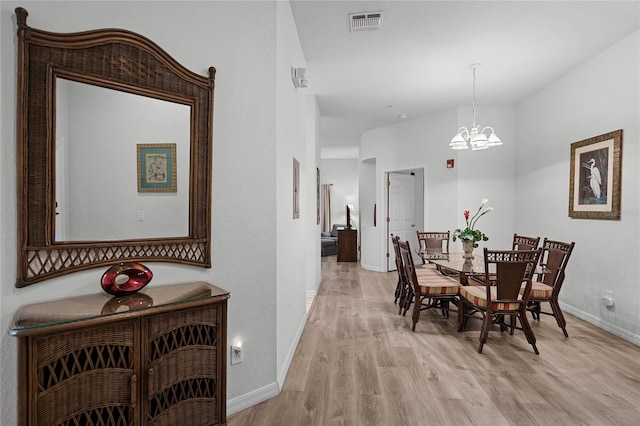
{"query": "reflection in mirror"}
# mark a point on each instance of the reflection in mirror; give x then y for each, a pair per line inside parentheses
(97, 132)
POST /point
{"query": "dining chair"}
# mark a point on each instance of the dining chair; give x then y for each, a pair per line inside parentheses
(402, 288)
(431, 289)
(521, 242)
(546, 288)
(404, 291)
(433, 245)
(501, 297)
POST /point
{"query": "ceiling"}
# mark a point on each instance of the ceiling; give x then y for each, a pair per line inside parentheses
(417, 63)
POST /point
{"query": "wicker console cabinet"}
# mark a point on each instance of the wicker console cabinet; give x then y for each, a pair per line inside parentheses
(157, 357)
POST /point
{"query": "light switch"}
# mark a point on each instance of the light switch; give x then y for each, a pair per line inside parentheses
(140, 215)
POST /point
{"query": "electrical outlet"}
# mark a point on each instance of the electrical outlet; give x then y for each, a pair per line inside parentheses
(237, 353)
(607, 298)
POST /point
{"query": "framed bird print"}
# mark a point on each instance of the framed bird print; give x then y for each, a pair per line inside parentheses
(594, 180)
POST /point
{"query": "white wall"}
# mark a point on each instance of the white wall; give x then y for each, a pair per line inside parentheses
(369, 217)
(251, 194)
(343, 175)
(600, 96)
(424, 143)
(314, 266)
(291, 142)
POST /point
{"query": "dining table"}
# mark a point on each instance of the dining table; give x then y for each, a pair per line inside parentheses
(456, 264)
(470, 271)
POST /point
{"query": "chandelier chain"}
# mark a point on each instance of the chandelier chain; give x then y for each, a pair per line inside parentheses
(474, 97)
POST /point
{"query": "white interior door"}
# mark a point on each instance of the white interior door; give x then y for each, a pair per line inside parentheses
(400, 196)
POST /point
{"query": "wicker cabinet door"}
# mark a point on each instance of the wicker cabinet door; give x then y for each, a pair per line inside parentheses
(183, 383)
(85, 377)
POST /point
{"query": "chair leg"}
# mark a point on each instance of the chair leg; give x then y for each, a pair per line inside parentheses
(528, 331)
(484, 333)
(398, 291)
(513, 324)
(417, 304)
(501, 323)
(401, 299)
(534, 307)
(562, 323)
(462, 322)
(408, 300)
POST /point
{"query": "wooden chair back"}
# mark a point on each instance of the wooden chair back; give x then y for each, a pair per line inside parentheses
(399, 263)
(553, 261)
(509, 270)
(409, 265)
(433, 245)
(401, 292)
(521, 242)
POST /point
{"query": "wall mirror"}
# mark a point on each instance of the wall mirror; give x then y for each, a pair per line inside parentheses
(114, 153)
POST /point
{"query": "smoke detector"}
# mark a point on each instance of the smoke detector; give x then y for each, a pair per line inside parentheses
(365, 21)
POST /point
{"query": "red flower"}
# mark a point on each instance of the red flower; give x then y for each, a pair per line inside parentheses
(466, 215)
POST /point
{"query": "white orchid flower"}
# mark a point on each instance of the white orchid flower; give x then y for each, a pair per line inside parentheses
(470, 234)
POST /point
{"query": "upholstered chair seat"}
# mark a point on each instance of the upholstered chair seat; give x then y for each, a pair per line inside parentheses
(431, 289)
(478, 296)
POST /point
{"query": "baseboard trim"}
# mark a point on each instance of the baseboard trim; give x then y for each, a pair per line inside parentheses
(264, 393)
(371, 268)
(242, 402)
(600, 323)
(312, 293)
(292, 350)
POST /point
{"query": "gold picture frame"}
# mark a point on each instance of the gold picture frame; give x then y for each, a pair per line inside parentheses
(157, 167)
(594, 180)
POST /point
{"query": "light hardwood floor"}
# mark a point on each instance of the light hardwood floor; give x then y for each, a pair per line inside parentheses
(359, 363)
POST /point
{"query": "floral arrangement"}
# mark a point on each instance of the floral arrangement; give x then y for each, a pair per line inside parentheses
(470, 234)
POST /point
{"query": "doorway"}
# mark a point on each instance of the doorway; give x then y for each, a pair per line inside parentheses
(405, 209)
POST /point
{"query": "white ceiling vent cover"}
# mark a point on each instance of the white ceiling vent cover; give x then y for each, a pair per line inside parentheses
(365, 21)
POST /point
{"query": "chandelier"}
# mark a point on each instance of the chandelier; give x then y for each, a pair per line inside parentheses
(479, 138)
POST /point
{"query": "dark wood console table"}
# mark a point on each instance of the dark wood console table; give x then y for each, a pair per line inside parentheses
(347, 245)
(157, 357)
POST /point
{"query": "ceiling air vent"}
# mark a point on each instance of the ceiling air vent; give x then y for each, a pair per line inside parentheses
(365, 21)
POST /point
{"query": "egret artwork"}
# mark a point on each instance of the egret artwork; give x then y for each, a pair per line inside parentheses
(593, 177)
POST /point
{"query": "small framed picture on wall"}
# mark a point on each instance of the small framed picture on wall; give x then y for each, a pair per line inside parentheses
(156, 167)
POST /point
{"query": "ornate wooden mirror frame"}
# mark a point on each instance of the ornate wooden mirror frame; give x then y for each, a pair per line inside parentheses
(114, 59)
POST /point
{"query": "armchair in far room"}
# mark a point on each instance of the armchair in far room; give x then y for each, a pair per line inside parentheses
(329, 241)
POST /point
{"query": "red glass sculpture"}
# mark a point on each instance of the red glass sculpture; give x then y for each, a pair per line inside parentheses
(125, 278)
